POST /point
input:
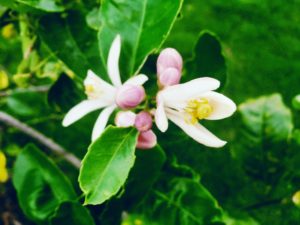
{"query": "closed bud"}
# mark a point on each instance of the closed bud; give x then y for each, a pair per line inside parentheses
(169, 76)
(129, 96)
(169, 58)
(143, 121)
(146, 140)
(125, 119)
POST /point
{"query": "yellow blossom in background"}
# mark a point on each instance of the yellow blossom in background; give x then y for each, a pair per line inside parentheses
(296, 198)
(21, 79)
(138, 222)
(3, 170)
(4, 82)
(8, 31)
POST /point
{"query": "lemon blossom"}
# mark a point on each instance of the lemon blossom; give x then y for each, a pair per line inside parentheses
(188, 103)
(101, 94)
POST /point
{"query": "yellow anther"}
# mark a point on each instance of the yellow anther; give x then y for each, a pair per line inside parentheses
(197, 109)
(89, 88)
(92, 92)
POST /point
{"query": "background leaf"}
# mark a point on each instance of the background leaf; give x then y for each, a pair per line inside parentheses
(40, 185)
(72, 213)
(143, 175)
(107, 163)
(208, 59)
(266, 127)
(186, 202)
(46, 5)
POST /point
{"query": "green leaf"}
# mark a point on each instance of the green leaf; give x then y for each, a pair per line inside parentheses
(266, 127)
(72, 213)
(106, 166)
(186, 203)
(143, 26)
(64, 94)
(45, 5)
(72, 41)
(40, 185)
(93, 19)
(208, 59)
(296, 102)
(266, 118)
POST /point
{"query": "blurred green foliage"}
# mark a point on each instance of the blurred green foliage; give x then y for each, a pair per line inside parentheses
(252, 46)
(260, 40)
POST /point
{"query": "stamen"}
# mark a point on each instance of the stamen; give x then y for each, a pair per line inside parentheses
(197, 109)
(89, 88)
(92, 92)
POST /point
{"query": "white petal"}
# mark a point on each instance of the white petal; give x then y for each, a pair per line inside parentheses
(102, 121)
(93, 79)
(196, 131)
(161, 119)
(188, 90)
(113, 61)
(81, 109)
(138, 80)
(223, 107)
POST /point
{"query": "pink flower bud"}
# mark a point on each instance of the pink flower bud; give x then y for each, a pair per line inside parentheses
(129, 96)
(143, 121)
(169, 76)
(125, 119)
(146, 140)
(169, 57)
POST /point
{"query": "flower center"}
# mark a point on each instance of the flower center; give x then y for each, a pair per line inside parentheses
(197, 109)
(92, 92)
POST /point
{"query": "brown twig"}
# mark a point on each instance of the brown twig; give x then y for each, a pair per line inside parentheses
(49, 143)
(41, 89)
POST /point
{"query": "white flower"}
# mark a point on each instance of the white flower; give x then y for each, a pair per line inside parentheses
(185, 104)
(101, 94)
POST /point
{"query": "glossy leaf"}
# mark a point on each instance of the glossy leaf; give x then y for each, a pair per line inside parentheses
(266, 128)
(72, 213)
(143, 26)
(266, 119)
(208, 59)
(187, 203)
(107, 163)
(93, 20)
(40, 185)
(296, 102)
(45, 5)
